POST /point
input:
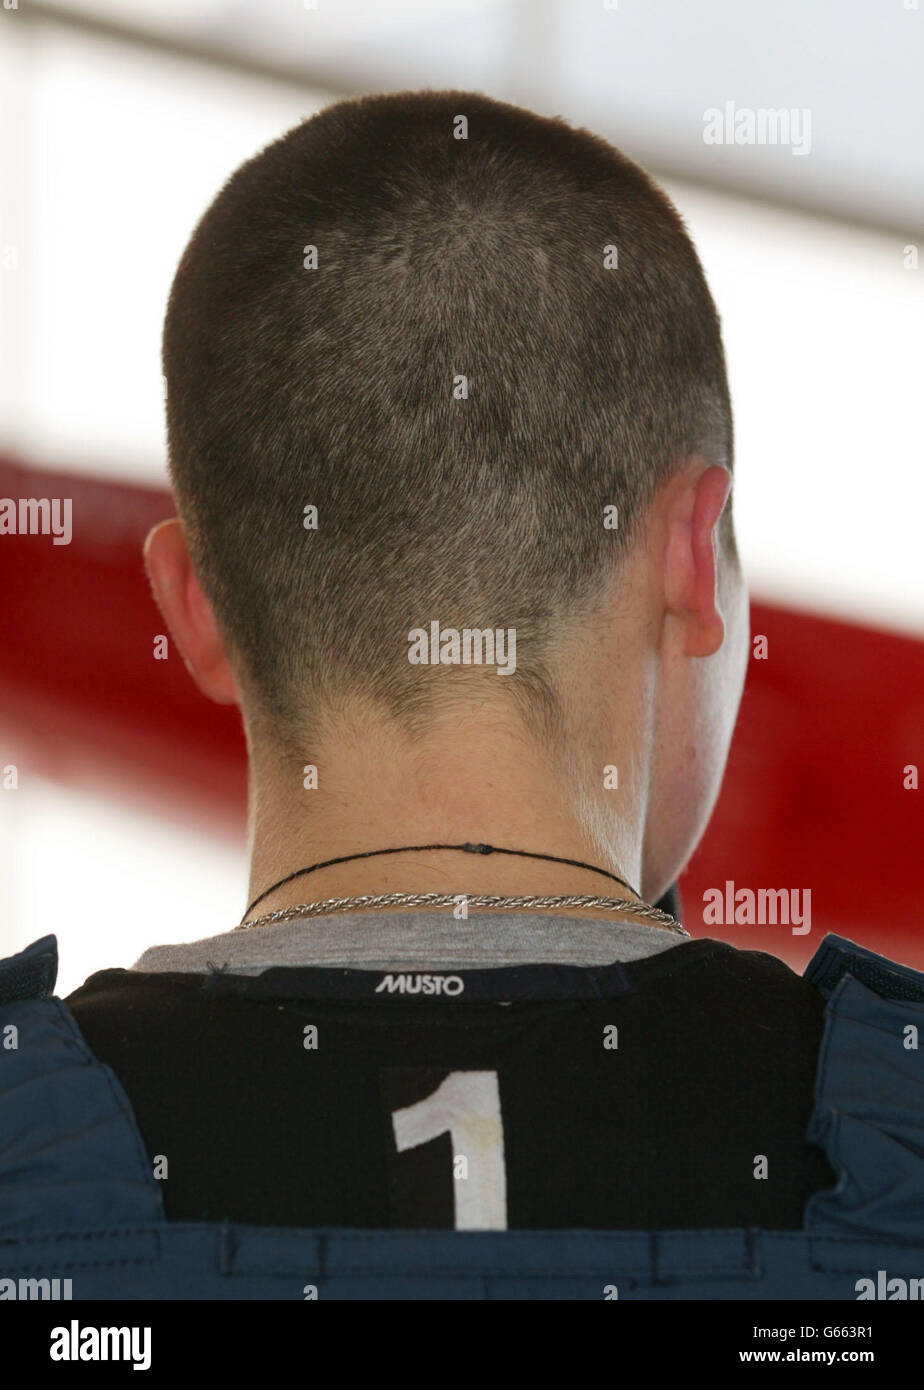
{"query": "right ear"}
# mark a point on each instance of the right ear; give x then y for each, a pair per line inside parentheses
(695, 504)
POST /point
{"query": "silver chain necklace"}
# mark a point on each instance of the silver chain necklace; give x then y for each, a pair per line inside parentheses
(487, 900)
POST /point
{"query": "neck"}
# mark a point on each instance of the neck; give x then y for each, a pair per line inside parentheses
(476, 777)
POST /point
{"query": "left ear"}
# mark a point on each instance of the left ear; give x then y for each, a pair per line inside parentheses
(188, 613)
(694, 502)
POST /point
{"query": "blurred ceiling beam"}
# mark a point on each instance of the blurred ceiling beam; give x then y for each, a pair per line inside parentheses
(532, 32)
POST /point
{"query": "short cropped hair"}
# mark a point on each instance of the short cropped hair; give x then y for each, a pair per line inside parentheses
(461, 331)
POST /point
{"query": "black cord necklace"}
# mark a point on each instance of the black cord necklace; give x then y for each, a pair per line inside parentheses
(414, 849)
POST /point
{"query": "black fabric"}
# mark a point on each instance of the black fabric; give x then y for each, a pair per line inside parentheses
(714, 1067)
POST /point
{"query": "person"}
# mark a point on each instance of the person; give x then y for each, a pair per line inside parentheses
(499, 380)
(451, 444)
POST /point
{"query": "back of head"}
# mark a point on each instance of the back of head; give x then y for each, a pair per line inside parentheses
(501, 336)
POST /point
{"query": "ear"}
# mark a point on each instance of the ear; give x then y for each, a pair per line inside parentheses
(694, 502)
(188, 613)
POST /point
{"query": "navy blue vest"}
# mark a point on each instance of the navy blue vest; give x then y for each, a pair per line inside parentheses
(78, 1201)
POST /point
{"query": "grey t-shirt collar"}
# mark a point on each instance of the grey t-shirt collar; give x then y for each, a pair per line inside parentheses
(412, 941)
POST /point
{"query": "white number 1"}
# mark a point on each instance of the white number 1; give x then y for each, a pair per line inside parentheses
(467, 1104)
